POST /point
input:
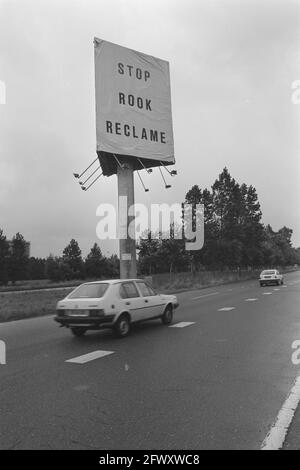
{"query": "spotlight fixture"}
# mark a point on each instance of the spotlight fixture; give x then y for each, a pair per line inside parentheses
(167, 186)
(172, 173)
(76, 175)
(145, 189)
(88, 187)
(95, 171)
(149, 170)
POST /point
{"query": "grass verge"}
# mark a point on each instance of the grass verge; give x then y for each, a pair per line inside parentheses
(29, 304)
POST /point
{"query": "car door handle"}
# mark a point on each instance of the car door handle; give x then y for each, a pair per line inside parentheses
(127, 303)
(146, 300)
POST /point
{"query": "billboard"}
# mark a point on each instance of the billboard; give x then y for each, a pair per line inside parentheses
(133, 104)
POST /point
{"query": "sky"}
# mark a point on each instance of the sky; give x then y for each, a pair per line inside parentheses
(232, 65)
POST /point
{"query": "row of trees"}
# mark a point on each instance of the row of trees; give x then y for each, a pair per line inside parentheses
(13, 258)
(234, 235)
(72, 266)
(15, 264)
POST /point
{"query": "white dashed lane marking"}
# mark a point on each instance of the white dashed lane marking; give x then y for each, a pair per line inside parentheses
(225, 309)
(267, 293)
(250, 300)
(276, 436)
(204, 295)
(89, 357)
(182, 324)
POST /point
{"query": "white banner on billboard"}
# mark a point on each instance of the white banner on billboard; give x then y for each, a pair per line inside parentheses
(133, 103)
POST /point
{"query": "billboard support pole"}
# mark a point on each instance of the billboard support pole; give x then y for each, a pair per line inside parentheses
(127, 243)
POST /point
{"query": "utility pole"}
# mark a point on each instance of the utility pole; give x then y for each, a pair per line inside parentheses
(125, 200)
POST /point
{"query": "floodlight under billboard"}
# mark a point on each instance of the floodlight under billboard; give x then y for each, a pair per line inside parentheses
(133, 108)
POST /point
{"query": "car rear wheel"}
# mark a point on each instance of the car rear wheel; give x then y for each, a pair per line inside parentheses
(78, 331)
(122, 326)
(167, 316)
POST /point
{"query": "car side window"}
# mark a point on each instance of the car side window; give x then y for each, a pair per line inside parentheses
(128, 290)
(152, 292)
(145, 289)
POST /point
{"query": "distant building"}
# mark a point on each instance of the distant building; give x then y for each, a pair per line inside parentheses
(27, 247)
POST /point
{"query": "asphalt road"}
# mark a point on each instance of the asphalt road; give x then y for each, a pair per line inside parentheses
(217, 383)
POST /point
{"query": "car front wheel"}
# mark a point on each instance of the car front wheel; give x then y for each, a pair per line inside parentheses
(167, 316)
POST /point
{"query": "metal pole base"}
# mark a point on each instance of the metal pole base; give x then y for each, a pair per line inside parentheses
(127, 244)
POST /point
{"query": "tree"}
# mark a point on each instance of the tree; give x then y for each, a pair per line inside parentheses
(56, 269)
(282, 245)
(4, 257)
(52, 270)
(18, 259)
(223, 190)
(158, 254)
(113, 267)
(278, 249)
(36, 268)
(207, 255)
(148, 254)
(95, 263)
(194, 195)
(227, 206)
(233, 232)
(173, 255)
(252, 228)
(297, 255)
(73, 259)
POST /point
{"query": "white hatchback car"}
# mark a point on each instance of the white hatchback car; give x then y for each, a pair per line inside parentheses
(270, 276)
(113, 304)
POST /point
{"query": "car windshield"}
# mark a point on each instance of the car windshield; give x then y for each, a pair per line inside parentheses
(89, 291)
(268, 272)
